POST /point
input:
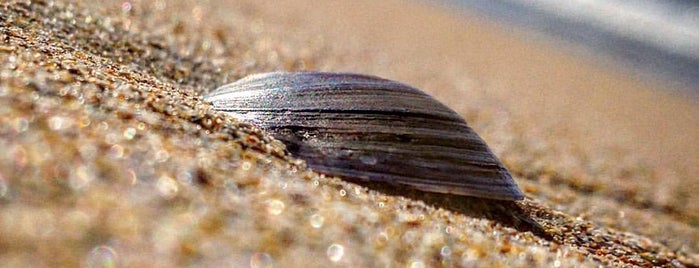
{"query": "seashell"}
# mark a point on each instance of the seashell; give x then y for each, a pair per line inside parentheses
(365, 128)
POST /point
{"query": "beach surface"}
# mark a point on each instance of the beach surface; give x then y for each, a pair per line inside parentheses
(110, 157)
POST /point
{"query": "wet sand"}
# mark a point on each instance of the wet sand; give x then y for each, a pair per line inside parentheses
(111, 156)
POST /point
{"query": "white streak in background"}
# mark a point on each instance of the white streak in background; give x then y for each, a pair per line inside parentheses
(672, 28)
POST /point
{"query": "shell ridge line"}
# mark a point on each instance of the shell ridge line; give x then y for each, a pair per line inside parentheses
(357, 92)
(344, 111)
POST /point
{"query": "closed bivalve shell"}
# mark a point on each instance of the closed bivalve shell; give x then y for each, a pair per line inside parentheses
(364, 128)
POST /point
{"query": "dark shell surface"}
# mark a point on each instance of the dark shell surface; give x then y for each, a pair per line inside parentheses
(365, 128)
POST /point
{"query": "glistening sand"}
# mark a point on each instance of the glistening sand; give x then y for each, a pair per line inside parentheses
(109, 155)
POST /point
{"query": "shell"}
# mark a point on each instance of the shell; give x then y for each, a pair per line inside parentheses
(365, 128)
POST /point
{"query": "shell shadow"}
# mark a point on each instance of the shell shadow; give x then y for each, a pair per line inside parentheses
(507, 213)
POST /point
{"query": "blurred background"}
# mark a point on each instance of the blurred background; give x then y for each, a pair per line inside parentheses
(658, 40)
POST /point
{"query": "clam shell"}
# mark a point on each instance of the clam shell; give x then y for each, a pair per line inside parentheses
(365, 128)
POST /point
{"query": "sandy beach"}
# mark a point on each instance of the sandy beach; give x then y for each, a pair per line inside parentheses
(109, 157)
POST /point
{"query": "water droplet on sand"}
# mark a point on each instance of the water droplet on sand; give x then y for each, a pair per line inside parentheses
(116, 151)
(335, 252)
(126, 6)
(82, 177)
(129, 133)
(102, 256)
(317, 221)
(417, 264)
(167, 186)
(58, 122)
(261, 260)
(275, 207)
(445, 251)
